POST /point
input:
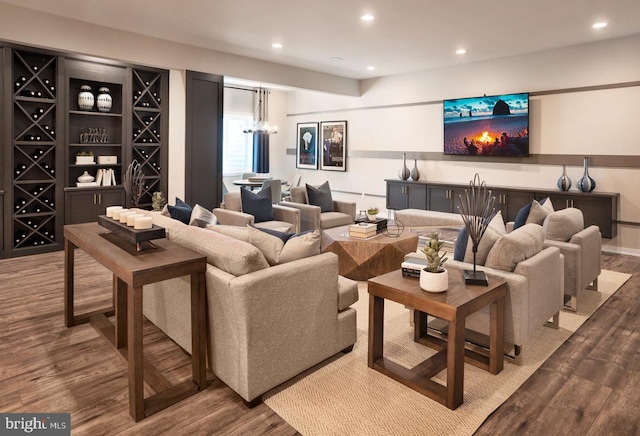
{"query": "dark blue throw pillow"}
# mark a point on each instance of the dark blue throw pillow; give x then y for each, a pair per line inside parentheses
(321, 196)
(284, 236)
(259, 204)
(521, 217)
(181, 211)
(461, 244)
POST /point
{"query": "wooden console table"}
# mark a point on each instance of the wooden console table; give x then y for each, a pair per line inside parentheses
(131, 271)
(453, 305)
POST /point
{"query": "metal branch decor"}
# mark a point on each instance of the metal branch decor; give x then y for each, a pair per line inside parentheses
(133, 181)
(477, 210)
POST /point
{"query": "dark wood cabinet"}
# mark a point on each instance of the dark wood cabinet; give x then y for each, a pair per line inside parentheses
(598, 208)
(405, 194)
(44, 127)
(83, 205)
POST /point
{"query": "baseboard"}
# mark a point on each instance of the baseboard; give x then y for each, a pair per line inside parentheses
(621, 250)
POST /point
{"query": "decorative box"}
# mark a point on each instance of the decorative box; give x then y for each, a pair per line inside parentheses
(107, 160)
(380, 222)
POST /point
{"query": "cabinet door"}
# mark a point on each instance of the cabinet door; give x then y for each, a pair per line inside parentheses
(438, 198)
(109, 198)
(80, 207)
(510, 202)
(416, 196)
(396, 197)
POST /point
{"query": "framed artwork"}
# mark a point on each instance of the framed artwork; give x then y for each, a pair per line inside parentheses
(307, 146)
(333, 137)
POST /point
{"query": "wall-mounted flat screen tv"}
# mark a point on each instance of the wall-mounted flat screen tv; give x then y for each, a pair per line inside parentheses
(487, 126)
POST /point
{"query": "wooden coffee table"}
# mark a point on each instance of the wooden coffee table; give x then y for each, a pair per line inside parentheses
(361, 259)
(453, 305)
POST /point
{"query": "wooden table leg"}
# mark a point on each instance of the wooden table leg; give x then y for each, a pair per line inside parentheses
(69, 251)
(455, 364)
(496, 337)
(420, 324)
(198, 327)
(376, 328)
(120, 305)
(134, 349)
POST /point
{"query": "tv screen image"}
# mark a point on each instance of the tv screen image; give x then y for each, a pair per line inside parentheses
(487, 126)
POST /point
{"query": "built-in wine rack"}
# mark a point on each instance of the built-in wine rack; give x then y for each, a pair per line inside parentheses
(35, 104)
(148, 136)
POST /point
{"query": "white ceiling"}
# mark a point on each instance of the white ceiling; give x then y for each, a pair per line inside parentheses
(406, 35)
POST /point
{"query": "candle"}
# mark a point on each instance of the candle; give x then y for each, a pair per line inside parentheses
(111, 209)
(131, 218)
(124, 215)
(142, 222)
(116, 213)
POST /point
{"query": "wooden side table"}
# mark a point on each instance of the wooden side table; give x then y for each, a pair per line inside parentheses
(454, 305)
(131, 271)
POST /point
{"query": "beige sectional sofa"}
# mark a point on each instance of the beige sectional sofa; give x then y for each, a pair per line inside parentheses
(266, 324)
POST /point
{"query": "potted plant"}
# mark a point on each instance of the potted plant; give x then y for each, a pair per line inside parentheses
(434, 277)
(372, 212)
(84, 158)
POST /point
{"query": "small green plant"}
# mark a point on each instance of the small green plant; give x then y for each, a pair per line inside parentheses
(373, 211)
(158, 201)
(84, 153)
(435, 260)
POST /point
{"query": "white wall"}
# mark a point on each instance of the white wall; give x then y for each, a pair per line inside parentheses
(599, 122)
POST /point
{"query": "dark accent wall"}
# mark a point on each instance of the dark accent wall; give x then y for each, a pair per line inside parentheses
(203, 142)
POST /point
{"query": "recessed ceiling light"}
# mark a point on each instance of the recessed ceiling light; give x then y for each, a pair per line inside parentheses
(599, 25)
(276, 45)
(371, 68)
(367, 17)
(335, 58)
(461, 51)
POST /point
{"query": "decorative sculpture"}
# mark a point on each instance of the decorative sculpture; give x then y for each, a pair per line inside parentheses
(477, 211)
(133, 181)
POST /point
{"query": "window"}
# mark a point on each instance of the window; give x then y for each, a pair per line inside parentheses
(237, 151)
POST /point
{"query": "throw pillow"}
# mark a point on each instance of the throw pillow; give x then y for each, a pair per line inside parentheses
(463, 250)
(514, 247)
(321, 196)
(181, 211)
(236, 232)
(540, 211)
(563, 224)
(258, 204)
(201, 217)
(276, 251)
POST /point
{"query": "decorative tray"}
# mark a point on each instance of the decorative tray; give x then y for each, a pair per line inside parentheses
(130, 234)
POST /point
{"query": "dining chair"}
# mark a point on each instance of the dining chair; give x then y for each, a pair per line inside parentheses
(247, 175)
(276, 189)
(295, 181)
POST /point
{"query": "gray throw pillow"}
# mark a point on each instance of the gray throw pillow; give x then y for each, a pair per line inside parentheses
(321, 196)
(276, 251)
(259, 205)
(201, 217)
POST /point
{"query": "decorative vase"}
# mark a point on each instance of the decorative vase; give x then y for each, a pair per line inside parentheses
(434, 282)
(415, 174)
(85, 98)
(404, 172)
(564, 182)
(86, 178)
(371, 217)
(104, 100)
(586, 183)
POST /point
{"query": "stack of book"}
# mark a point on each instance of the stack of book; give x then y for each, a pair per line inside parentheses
(412, 265)
(362, 230)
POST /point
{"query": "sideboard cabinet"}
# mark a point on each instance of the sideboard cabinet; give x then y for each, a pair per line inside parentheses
(598, 208)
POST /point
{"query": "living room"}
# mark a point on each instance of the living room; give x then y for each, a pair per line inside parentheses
(573, 90)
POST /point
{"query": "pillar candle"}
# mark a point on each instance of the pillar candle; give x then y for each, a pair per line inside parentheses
(116, 213)
(124, 215)
(142, 222)
(111, 209)
(131, 218)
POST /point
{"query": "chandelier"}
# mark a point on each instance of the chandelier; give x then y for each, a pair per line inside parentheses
(260, 123)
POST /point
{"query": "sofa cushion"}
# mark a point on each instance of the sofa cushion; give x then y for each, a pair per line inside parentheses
(181, 211)
(258, 204)
(280, 226)
(563, 224)
(231, 255)
(276, 251)
(240, 233)
(201, 217)
(538, 215)
(512, 248)
(329, 220)
(320, 196)
(463, 250)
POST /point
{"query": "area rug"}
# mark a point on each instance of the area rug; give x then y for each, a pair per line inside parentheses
(343, 396)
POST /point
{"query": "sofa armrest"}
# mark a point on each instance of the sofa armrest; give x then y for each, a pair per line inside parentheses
(232, 218)
(545, 273)
(287, 214)
(309, 215)
(509, 226)
(345, 207)
(347, 292)
(590, 241)
(572, 264)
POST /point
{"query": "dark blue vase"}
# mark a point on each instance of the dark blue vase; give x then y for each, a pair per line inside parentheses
(586, 183)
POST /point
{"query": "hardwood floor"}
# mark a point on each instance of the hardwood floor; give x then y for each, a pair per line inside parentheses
(589, 386)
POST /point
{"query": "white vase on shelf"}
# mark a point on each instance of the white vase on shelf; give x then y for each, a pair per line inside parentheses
(104, 100)
(85, 98)
(86, 178)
